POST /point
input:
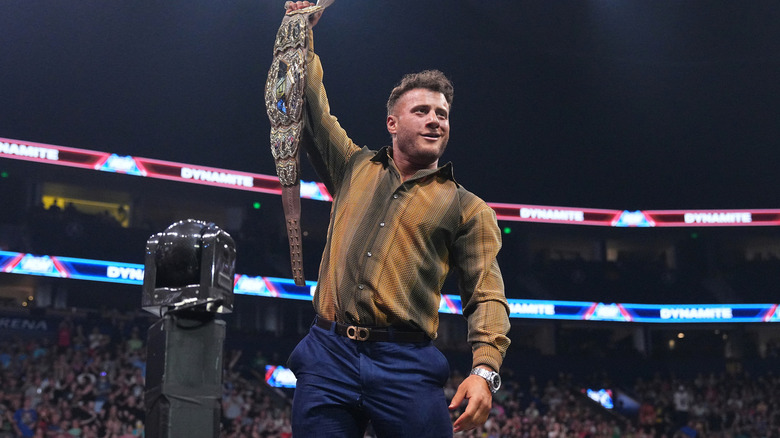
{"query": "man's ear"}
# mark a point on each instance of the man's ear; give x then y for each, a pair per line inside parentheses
(391, 124)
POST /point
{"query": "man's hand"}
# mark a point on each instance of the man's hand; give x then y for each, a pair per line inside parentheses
(480, 400)
(294, 6)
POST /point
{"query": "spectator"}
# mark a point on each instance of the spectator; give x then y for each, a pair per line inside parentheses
(26, 418)
(64, 336)
(96, 339)
(7, 429)
(135, 343)
(232, 406)
(682, 404)
(99, 393)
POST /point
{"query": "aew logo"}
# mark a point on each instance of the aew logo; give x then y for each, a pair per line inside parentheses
(124, 273)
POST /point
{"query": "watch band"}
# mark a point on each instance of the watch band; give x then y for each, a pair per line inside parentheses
(493, 378)
(284, 101)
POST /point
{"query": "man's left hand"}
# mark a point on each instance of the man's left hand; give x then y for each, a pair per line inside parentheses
(294, 6)
(480, 400)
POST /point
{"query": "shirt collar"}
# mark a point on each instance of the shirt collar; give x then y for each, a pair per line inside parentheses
(384, 155)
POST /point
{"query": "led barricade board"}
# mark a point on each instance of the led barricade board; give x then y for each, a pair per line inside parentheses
(285, 288)
(237, 180)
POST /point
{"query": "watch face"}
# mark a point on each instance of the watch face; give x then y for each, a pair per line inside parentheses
(495, 382)
(493, 379)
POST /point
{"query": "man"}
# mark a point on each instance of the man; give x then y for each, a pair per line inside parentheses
(399, 223)
(25, 418)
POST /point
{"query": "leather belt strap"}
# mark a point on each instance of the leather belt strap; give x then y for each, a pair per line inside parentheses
(370, 334)
(284, 101)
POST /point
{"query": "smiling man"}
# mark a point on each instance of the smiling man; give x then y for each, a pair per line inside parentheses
(399, 224)
(418, 121)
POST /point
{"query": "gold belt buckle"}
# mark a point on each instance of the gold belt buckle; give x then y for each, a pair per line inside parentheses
(357, 333)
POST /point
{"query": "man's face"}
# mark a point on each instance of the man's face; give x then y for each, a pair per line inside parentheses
(420, 126)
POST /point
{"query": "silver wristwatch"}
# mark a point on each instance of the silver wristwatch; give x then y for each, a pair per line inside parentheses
(492, 377)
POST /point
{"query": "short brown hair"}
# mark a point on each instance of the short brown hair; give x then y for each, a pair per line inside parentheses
(433, 80)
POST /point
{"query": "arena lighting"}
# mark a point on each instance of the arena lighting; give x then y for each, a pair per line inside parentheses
(285, 288)
(237, 180)
(189, 267)
(188, 279)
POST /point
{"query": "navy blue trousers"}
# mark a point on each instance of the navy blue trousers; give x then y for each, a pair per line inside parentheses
(342, 384)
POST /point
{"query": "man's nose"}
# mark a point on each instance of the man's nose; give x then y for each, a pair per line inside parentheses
(433, 119)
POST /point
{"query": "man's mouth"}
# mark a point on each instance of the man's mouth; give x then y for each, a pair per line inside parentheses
(431, 136)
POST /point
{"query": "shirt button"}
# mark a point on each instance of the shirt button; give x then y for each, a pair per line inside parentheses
(360, 286)
(395, 195)
(381, 224)
(369, 254)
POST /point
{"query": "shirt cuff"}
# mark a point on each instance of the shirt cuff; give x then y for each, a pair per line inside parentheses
(485, 354)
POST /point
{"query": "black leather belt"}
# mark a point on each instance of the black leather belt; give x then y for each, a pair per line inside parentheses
(370, 334)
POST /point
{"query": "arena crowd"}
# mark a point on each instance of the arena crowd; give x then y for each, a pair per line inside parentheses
(88, 381)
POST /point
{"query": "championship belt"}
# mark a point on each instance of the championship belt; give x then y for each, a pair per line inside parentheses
(284, 101)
